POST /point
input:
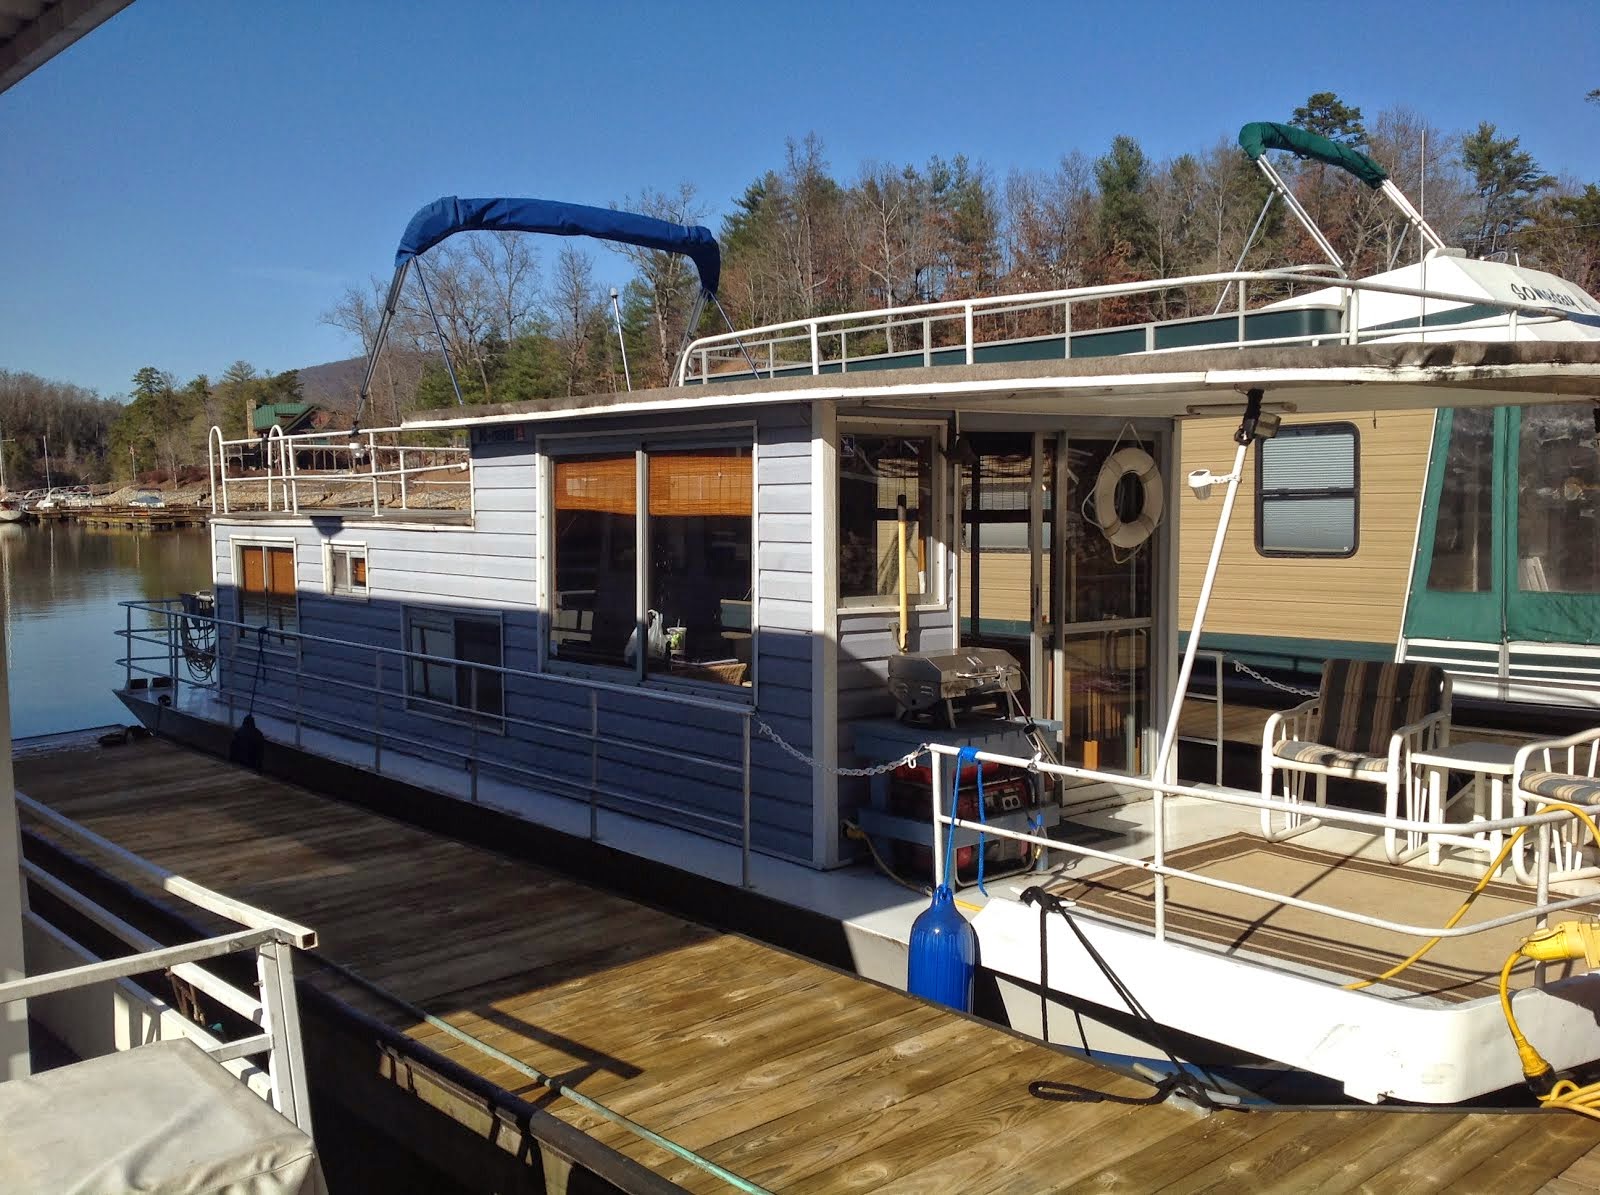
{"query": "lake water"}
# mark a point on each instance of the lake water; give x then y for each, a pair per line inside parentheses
(62, 583)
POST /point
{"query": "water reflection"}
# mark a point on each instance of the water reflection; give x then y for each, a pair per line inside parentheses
(62, 583)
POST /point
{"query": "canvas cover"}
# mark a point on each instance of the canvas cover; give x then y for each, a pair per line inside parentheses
(163, 1118)
(1258, 137)
(447, 216)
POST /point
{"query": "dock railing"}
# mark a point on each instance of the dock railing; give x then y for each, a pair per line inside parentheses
(960, 331)
(291, 471)
(271, 1009)
(1544, 824)
(170, 632)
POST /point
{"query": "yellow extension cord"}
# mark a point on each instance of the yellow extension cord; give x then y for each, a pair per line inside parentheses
(1564, 940)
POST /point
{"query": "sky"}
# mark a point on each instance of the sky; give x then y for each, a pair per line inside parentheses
(197, 181)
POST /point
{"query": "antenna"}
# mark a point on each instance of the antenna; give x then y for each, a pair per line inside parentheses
(616, 313)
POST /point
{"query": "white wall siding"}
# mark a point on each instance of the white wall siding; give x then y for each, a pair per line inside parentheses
(494, 567)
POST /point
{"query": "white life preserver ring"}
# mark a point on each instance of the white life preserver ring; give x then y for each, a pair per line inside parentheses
(1139, 464)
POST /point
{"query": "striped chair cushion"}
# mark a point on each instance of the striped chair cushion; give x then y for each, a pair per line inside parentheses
(1580, 790)
(1349, 762)
(1363, 702)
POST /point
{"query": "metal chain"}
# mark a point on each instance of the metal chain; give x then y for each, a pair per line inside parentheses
(1240, 666)
(879, 769)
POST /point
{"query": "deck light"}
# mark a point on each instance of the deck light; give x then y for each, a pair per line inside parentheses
(1201, 481)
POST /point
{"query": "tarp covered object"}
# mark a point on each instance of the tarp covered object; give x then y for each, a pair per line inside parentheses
(1263, 135)
(450, 215)
(162, 1119)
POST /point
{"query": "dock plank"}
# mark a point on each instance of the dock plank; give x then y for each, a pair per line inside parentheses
(797, 1075)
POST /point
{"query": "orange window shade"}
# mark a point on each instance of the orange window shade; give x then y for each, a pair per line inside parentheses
(280, 563)
(701, 484)
(604, 484)
(358, 570)
(255, 574)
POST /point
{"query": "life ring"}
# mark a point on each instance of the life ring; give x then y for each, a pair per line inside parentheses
(1139, 464)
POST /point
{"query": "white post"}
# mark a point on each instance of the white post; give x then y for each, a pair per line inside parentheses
(14, 1062)
(1170, 737)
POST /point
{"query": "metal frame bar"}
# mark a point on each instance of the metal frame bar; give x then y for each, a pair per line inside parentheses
(810, 331)
(1541, 908)
(738, 768)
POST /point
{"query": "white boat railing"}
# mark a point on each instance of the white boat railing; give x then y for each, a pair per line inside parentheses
(403, 476)
(271, 1008)
(1545, 826)
(285, 668)
(964, 327)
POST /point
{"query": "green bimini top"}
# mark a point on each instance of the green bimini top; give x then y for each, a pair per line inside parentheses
(1262, 135)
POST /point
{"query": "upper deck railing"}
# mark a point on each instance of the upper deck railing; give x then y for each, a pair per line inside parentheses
(283, 473)
(1081, 322)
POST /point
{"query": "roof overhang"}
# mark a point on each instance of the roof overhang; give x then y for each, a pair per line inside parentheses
(1170, 385)
(34, 31)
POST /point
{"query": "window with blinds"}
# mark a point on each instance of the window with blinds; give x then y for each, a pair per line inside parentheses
(1308, 491)
(652, 561)
(267, 592)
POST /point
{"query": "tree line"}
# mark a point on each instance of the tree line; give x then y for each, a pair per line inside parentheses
(803, 240)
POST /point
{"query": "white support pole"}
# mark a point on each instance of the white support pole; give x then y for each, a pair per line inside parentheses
(1300, 213)
(14, 1061)
(1398, 197)
(1170, 737)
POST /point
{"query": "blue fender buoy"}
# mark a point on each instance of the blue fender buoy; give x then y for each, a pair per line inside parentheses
(944, 953)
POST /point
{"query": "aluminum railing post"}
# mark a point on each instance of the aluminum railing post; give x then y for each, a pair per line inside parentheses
(473, 779)
(744, 859)
(1217, 659)
(927, 341)
(594, 765)
(372, 461)
(816, 350)
(281, 1012)
(377, 712)
(1240, 316)
(967, 321)
(400, 455)
(936, 782)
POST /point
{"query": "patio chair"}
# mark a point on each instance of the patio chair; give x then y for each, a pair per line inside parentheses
(1366, 720)
(1568, 770)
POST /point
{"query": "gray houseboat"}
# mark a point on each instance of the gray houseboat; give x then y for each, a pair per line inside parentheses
(707, 622)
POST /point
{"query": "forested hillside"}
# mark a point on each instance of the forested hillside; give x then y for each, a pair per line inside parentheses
(524, 318)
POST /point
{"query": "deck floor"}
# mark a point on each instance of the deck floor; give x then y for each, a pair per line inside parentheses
(795, 1075)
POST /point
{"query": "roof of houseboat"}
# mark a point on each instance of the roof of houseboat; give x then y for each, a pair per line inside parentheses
(1167, 383)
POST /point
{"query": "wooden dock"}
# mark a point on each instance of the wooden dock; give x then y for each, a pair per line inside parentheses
(790, 1073)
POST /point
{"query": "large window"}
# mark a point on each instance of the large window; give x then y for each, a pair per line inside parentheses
(1463, 537)
(1558, 500)
(439, 686)
(1307, 480)
(877, 472)
(267, 593)
(686, 612)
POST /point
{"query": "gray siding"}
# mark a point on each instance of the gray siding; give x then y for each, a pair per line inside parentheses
(494, 567)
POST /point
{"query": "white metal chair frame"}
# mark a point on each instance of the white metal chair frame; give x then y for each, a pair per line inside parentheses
(1577, 756)
(1429, 733)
